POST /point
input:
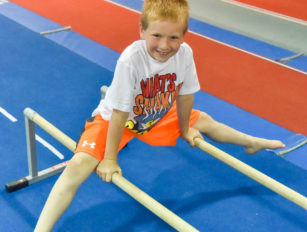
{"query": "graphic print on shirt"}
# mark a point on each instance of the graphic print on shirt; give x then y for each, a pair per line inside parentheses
(157, 97)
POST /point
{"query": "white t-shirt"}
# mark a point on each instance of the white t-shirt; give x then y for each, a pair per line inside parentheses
(147, 88)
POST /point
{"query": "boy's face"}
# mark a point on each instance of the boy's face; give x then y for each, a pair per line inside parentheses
(163, 38)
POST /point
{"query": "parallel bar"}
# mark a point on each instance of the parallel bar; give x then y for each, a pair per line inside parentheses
(253, 173)
(151, 204)
(140, 196)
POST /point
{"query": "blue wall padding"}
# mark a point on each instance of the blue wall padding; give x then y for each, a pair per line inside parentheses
(95, 52)
(27, 18)
(299, 63)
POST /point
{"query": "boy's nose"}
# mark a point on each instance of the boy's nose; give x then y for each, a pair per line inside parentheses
(163, 45)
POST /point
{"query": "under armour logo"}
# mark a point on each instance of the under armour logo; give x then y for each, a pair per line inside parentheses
(85, 143)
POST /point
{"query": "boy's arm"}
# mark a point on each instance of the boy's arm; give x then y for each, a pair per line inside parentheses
(109, 164)
(184, 109)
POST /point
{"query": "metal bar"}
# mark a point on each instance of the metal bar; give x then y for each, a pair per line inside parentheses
(56, 30)
(31, 147)
(51, 129)
(47, 173)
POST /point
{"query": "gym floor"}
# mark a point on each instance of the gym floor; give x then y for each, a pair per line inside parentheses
(59, 75)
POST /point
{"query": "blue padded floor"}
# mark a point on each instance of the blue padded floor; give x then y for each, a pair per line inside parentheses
(64, 88)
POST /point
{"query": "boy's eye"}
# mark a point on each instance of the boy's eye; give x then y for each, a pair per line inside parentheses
(174, 37)
(156, 35)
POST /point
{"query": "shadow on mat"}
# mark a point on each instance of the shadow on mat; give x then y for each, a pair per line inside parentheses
(18, 207)
(131, 216)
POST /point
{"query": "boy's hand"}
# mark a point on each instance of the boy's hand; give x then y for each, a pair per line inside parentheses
(190, 135)
(106, 168)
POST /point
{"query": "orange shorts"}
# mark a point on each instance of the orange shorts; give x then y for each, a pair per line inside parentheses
(164, 133)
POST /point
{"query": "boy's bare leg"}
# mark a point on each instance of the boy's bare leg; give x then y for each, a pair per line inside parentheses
(225, 134)
(62, 193)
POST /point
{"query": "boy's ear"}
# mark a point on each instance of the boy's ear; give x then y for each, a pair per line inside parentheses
(141, 31)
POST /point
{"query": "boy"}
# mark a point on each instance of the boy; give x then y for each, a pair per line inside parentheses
(150, 98)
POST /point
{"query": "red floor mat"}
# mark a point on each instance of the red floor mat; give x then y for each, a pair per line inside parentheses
(261, 87)
(266, 89)
(293, 8)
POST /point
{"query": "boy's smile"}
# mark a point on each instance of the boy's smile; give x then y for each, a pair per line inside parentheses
(163, 39)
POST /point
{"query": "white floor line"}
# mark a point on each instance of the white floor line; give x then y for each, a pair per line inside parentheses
(49, 146)
(38, 138)
(8, 115)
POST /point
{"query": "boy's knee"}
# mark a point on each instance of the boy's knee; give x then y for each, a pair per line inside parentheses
(205, 116)
(206, 119)
(81, 165)
(204, 123)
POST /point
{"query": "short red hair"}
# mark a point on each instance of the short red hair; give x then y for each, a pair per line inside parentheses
(174, 10)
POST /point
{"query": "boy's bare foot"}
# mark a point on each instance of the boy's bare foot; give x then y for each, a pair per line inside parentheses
(258, 144)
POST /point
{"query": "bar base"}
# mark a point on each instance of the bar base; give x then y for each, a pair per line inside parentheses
(16, 185)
